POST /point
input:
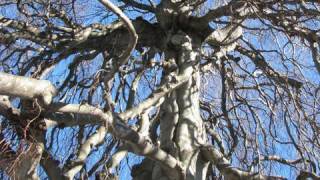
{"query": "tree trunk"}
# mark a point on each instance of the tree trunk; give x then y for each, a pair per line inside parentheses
(181, 127)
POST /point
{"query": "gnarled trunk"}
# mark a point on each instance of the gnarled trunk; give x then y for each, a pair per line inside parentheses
(181, 127)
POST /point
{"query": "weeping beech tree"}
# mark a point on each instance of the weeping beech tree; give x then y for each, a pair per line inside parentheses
(186, 89)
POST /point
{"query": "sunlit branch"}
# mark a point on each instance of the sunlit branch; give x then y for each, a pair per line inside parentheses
(133, 35)
(26, 88)
(229, 172)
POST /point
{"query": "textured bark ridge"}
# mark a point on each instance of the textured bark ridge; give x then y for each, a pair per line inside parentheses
(182, 131)
(190, 132)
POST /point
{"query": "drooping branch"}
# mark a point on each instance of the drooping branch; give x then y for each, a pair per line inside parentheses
(133, 35)
(229, 172)
(73, 167)
(117, 157)
(54, 36)
(61, 120)
(259, 61)
(139, 144)
(142, 146)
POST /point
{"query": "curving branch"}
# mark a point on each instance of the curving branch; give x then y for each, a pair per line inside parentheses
(229, 172)
(74, 166)
(230, 9)
(156, 96)
(226, 35)
(258, 59)
(133, 35)
(190, 108)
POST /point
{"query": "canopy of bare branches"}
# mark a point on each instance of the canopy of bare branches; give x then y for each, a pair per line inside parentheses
(174, 89)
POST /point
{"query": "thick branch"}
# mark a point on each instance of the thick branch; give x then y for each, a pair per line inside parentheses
(225, 36)
(51, 166)
(229, 172)
(156, 96)
(139, 5)
(139, 144)
(229, 9)
(133, 35)
(26, 88)
(75, 166)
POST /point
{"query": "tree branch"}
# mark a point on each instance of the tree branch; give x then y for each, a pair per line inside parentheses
(73, 167)
(51, 166)
(26, 88)
(139, 5)
(261, 63)
(229, 172)
(133, 35)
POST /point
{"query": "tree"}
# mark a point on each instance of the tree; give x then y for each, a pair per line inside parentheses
(198, 89)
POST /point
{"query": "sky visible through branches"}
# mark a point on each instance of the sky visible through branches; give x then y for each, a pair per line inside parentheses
(251, 71)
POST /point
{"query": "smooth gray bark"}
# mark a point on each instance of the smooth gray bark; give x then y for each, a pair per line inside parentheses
(26, 88)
